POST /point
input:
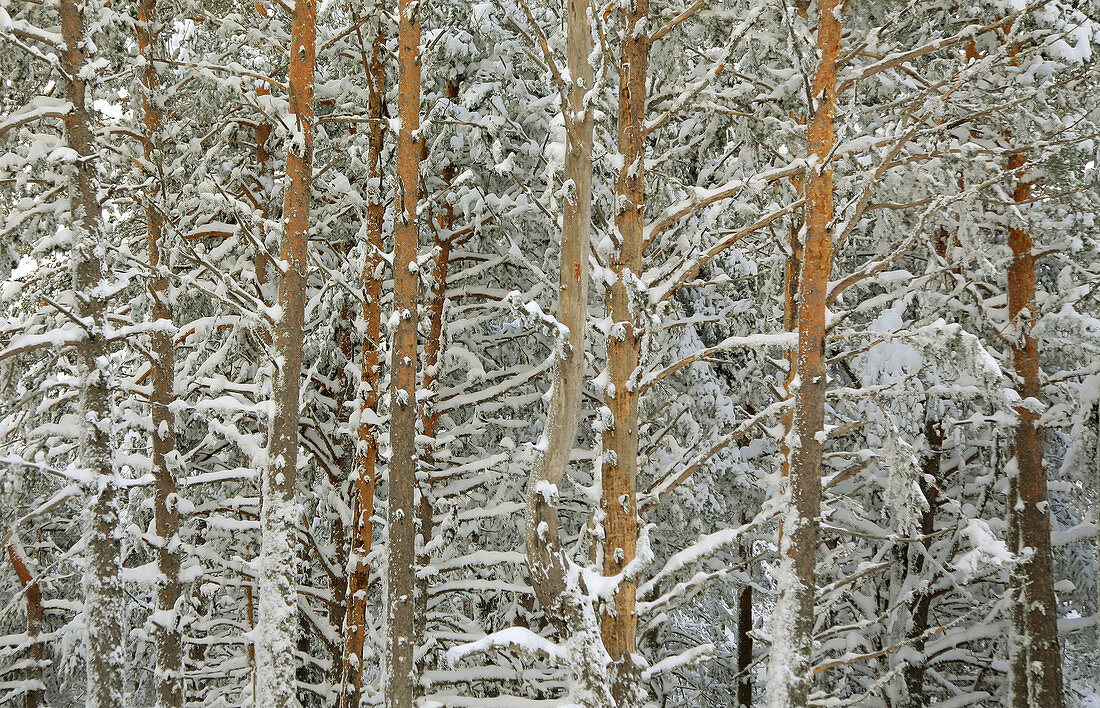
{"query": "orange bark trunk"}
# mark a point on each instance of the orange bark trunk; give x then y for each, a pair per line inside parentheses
(278, 611)
(168, 675)
(35, 694)
(619, 623)
(1037, 656)
(365, 476)
(399, 681)
(791, 665)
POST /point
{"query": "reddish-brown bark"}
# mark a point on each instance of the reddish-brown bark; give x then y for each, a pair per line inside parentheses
(35, 694)
(1036, 670)
(278, 615)
(399, 681)
(168, 676)
(619, 497)
(366, 456)
(790, 670)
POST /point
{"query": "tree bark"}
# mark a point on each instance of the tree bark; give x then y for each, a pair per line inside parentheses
(169, 673)
(547, 562)
(914, 672)
(35, 694)
(364, 479)
(399, 681)
(790, 667)
(545, 555)
(278, 612)
(103, 592)
(443, 242)
(1037, 661)
(618, 501)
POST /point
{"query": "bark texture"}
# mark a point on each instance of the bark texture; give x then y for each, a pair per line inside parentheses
(399, 680)
(35, 691)
(790, 666)
(278, 612)
(103, 592)
(364, 478)
(169, 672)
(556, 586)
(914, 672)
(1035, 673)
(619, 622)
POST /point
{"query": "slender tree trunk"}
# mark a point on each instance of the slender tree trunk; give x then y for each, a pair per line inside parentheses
(744, 639)
(547, 562)
(618, 501)
(169, 673)
(790, 668)
(545, 555)
(1036, 612)
(364, 478)
(399, 682)
(265, 180)
(35, 694)
(744, 648)
(429, 418)
(278, 611)
(103, 593)
(913, 673)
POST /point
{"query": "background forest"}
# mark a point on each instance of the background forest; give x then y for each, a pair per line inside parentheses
(519, 353)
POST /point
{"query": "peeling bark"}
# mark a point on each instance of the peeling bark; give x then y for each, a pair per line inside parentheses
(619, 497)
(366, 456)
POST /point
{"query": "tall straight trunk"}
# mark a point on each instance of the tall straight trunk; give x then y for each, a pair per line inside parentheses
(618, 500)
(547, 563)
(278, 612)
(1036, 612)
(169, 673)
(103, 592)
(790, 667)
(35, 693)
(399, 682)
(545, 555)
(366, 454)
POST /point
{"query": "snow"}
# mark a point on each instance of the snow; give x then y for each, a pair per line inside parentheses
(520, 639)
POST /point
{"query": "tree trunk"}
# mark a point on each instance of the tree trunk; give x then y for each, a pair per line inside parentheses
(35, 694)
(168, 676)
(744, 639)
(103, 592)
(399, 682)
(547, 562)
(913, 673)
(545, 555)
(278, 612)
(618, 500)
(1037, 660)
(790, 667)
(364, 478)
(429, 419)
